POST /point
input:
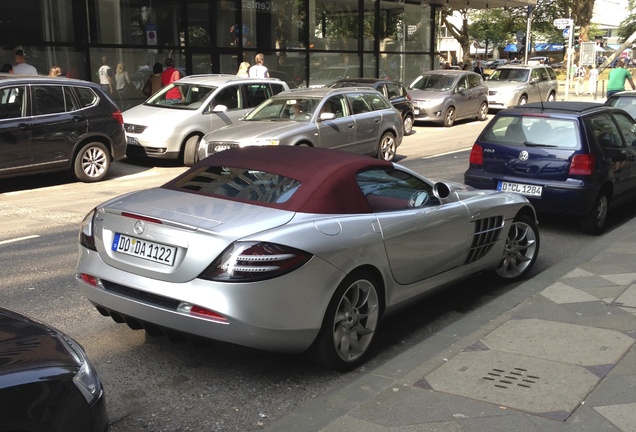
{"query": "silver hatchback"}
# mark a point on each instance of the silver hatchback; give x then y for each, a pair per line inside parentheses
(513, 85)
(355, 119)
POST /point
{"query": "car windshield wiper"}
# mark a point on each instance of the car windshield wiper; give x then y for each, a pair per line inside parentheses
(531, 144)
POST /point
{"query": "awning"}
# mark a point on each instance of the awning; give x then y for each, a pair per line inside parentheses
(511, 48)
(548, 47)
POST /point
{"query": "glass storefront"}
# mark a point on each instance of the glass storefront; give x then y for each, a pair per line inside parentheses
(300, 38)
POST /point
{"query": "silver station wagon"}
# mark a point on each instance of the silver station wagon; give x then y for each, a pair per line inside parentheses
(519, 84)
(359, 120)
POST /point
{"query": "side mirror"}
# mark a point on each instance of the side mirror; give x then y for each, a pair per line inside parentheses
(327, 116)
(219, 108)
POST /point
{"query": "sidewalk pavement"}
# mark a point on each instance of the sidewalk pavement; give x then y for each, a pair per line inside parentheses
(557, 353)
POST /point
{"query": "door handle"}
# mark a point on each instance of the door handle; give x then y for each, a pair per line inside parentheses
(23, 126)
(78, 118)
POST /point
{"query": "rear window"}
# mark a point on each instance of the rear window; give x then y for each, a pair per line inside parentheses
(239, 183)
(535, 131)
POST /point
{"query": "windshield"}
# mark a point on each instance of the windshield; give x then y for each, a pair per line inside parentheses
(186, 96)
(330, 73)
(517, 75)
(280, 108)
(433, 82)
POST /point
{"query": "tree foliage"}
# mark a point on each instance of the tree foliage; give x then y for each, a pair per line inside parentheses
(628, 26)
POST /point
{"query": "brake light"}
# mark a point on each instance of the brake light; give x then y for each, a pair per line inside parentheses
(143, 218)
(582, 164)
(117, 115)
(476, 155)
(201, 312)
(254, 261)
(86, 235)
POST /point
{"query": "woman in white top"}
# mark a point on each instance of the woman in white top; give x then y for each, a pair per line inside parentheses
(259, 70)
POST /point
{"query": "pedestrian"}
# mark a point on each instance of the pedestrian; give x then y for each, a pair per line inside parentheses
(593, 80)
(617, 78)
(579, 76)
(55, 71)
(243, 69)
(105, 74)
(7, 68)
(153, 84)
(479, 69)
(122, 85)
(259, 70)
(21, 67)
(168, 76)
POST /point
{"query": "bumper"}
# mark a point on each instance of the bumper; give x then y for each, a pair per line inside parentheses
(431, 114)
(573, 199)
(282, 314)
(502, 102)
(135, 150)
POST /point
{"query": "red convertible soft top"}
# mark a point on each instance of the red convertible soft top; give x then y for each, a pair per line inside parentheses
(328, 177)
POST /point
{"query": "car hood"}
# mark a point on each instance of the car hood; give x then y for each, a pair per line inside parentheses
(27, 345)
(200, 227)
(254, 130)
(147, 115)
(504, 85)
(426, 95)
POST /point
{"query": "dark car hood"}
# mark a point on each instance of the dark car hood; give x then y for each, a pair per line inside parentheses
(26, 344)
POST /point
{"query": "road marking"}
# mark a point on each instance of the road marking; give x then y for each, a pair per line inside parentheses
(17, 239)
(132, 176)
(447, 153)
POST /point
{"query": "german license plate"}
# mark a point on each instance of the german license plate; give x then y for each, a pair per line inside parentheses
(131, 140)
(148, 250)
(520, 188)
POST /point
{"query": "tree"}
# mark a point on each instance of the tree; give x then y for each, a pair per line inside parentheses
(581, 12)
(459, 33)
(482, 30)
(628, 26)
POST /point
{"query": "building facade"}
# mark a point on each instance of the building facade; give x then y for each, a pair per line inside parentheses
(300, 38)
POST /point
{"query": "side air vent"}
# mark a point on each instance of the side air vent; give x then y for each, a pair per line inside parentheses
(486, 234)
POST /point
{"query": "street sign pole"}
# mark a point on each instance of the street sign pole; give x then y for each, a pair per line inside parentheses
(570, 59)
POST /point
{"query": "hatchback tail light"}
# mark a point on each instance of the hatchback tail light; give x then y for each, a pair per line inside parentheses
(86, 234)
(582, 164)
(117, 115)
(254, 261)
(476, 155)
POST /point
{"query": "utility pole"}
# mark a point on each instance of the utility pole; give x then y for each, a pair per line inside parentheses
(528, 36)
(618, 52)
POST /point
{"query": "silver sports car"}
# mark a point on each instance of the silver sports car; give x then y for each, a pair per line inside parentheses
(294, 249)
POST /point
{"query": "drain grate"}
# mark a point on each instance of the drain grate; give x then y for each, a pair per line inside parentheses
(516, 377)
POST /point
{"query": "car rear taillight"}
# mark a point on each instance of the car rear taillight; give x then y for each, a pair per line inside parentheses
(86, 236)
(254, 261)
(117, 115)
(476, 155)
(582, 164)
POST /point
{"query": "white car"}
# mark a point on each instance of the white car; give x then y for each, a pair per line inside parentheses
(170, 124)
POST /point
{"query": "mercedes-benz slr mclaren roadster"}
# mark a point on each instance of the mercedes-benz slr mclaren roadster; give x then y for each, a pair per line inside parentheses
(294, 249)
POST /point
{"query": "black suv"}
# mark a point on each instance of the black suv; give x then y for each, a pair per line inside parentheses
(394, 91)
(58, 124)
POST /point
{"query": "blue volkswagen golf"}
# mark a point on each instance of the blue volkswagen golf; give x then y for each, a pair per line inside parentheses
(570, 158)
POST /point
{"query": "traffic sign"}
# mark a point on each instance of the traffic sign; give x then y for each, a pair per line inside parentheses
(566, 32)
(562, 22)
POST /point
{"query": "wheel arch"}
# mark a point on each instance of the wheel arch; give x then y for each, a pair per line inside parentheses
(88, 139)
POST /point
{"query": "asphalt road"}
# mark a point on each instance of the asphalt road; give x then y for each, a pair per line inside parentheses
(153, 384)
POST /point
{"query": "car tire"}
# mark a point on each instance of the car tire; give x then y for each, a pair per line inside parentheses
(596, 221)
(92, 163)
(482, 114)
(387, 147)
(408, 124)
(551, 97)
(520, 250)
(523, 100)
(349, 324)
(449, 117)
(190, 156)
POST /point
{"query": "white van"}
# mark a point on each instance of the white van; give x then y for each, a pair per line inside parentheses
(171, 128)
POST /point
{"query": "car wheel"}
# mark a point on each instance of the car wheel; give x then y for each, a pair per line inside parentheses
(190, 156)
(520, 250)
(551, 97)
(387, 147)
(483, 112)
(523, 100)
(92, 163)
(349, 324)
(408, 124)
(595, 222)
(449, 117)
